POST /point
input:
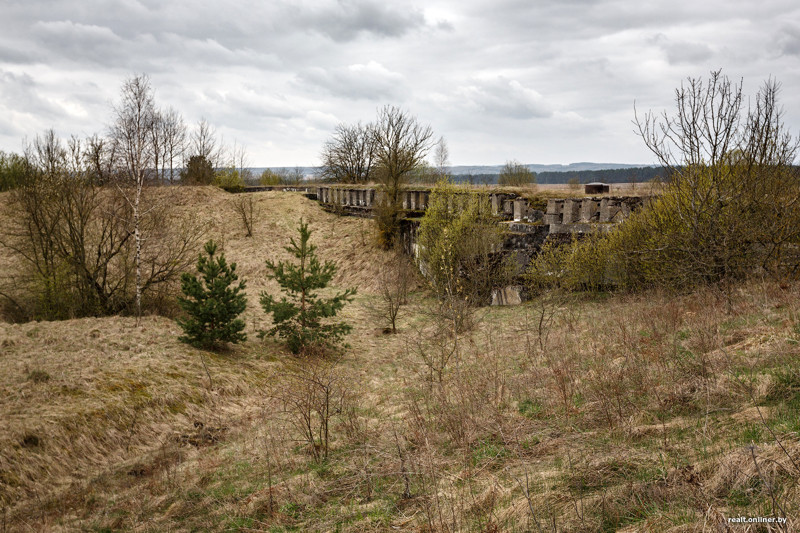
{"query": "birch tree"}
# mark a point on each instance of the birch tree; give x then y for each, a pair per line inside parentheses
(134, 119)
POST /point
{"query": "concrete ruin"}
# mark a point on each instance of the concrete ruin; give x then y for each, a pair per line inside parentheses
(528, 228)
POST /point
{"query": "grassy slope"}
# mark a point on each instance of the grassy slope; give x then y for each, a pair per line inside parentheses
(628, 413)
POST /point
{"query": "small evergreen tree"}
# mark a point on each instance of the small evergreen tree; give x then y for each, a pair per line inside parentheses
(212, 303)
(299, 316)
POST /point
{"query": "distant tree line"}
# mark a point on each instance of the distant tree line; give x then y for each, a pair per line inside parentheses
(615, 175)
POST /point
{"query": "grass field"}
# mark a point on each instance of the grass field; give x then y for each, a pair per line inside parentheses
(608, 412)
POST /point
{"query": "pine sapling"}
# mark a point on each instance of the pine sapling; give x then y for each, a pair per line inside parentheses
(212, 302)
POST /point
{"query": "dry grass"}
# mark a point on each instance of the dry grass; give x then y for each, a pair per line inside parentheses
(633, 413)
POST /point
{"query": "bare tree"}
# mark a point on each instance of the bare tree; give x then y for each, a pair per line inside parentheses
(174, 135)
(348, 156)
(395, 278)
(205, 144)
(441, 156)
(245, 207)
(135, 118)
(99, 154)
(238, 161)
(400, 146)
(73, 237)
(516, 174)
(158, 147)
(313, 392)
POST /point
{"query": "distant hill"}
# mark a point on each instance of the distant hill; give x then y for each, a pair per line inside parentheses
(572, 167)
(586, 172)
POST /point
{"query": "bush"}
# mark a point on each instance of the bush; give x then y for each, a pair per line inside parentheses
(460, 249)
(269, 177)
(516, 174)
(12, 170)
(212, 302)
(198, 171)
(229, 179)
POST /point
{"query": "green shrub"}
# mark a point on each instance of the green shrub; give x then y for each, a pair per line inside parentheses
(229, 179)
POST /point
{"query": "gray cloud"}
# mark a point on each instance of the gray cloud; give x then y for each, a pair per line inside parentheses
(789, 40)
(347, 19)
(544, 81)
(371, 81)
(683, 51)
(504, 98)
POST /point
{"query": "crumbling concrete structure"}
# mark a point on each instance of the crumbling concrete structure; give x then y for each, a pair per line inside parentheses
(527, 227)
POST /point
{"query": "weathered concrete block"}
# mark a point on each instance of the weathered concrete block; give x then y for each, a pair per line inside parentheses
(603, 210)
(497, 204)
(520, 209)
(511, 295)
(590, 211)
(571, 211)
(555, 207)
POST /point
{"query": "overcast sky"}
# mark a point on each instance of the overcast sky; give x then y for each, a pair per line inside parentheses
(540, 81)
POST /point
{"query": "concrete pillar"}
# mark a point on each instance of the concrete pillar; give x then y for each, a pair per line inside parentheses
(412, 200)
(604, 211)
(497, 204)
(571, 211)
(588, 210)
(520, 209)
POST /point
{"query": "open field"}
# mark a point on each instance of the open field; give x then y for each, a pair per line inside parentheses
(654, 412)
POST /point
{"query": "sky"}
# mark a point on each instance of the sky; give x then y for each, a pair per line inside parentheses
(538, 81)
